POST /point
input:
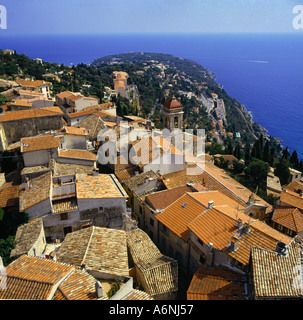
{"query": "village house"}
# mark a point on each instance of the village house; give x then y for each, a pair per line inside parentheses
(273, 185)
(27, 123)
(41, 86)
(189, 229)
(29, 239)
(147, 206)
(156, 154)
(155, 272)
(102, 251)
(44, 279)
(288, 214)
(75, 138)
(38, 150)
(295, 175)
(215, 178)
(120, 83)
(70, 102)
(275, 274)
(66, 203)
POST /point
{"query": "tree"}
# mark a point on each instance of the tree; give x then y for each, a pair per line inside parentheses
(6, 246)
(237, 152)
(294, 160)
(282, 171)
(258, 171)
(247, 155)
(266, 152)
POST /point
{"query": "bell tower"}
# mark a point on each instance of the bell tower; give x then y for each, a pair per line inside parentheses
(172, 114)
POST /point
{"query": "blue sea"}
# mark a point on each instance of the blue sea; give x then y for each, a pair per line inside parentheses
(264, 72)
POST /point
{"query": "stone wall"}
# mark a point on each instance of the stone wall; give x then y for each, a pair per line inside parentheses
(17, 129)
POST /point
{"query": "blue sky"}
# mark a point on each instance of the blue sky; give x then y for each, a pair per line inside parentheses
(119, 16)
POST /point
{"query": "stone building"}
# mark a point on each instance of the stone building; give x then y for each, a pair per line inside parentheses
(67, 203)
(172, 114)
(27, 123)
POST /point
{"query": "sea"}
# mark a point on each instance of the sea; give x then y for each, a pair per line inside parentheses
(264, 72)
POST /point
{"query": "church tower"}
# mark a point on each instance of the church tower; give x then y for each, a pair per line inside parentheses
(172, 114)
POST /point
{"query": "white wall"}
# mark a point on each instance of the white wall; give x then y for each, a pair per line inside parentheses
(39, 157)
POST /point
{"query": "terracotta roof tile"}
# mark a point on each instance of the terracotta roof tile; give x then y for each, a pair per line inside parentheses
(160, 272)
(216, 283)
(31, 113)
(99, 249)
(274, 275)
(32, 84)
(39, 143)
(289, 217)
(76, 131)
(33, 278)
(38, 191)
(162, 199)
(77, 154)
(101, 186)
(291, 198)
(26, 236)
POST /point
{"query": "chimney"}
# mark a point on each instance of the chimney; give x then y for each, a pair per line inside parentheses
(98, 289)
(234, 242)
(246, 227)
(281, 248)
(26, 184)
(210, 255)
(210, 204)
(239, 224)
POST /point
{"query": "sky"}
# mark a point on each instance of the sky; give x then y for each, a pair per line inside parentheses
(129, 16)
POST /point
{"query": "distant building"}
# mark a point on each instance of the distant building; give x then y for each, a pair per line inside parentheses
(172, 114)
(70, 102)
(35, 85)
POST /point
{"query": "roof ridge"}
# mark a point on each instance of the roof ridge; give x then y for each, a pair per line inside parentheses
(87, 247)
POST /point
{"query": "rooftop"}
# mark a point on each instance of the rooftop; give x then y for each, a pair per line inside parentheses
(26, 236)
(32, 83)
(216, 283)
(160, 272)
(289, 217)
(96, 248)
(38, 191)
(29, 114)
(274, 275)
(292, 199)
(40, 142)
(77, 154)
(100, 186)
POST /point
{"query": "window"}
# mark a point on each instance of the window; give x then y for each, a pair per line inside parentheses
(200, 242)
(67, 230)
(101, 209)
(64, 216)
(151, 222)
(202, 260)
(140, 210)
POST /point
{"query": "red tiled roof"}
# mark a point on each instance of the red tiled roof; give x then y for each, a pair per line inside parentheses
(39, 143)
(216, 283)
(31, 113)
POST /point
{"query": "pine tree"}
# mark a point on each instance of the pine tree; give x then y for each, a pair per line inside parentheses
(266, 152)
(294, 160)
(237, 151)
